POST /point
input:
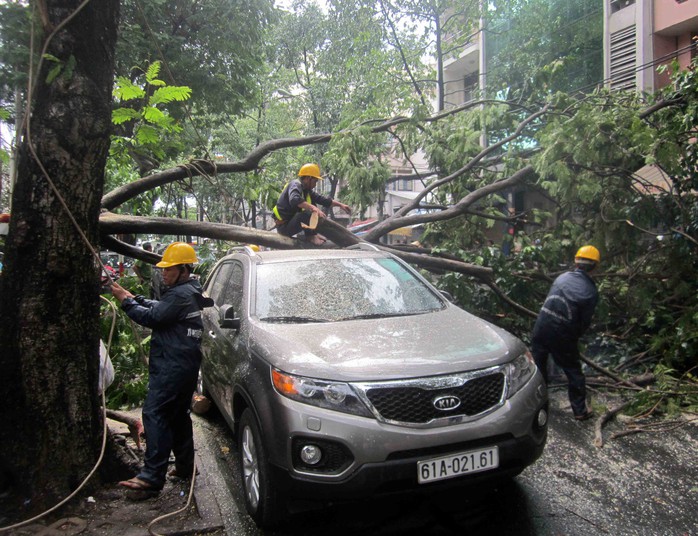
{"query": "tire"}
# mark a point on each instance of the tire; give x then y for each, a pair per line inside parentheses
(264, 503)
(201, 401)
(201, 386)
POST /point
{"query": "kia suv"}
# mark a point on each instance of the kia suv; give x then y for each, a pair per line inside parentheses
(344, 373)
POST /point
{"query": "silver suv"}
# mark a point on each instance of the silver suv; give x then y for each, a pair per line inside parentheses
(344, 373)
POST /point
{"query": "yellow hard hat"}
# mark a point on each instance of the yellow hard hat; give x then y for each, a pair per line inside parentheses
(310, 170)
(589, 253)
(177, 253)
(253, 247)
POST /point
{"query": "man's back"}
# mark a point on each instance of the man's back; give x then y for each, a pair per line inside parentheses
(569, 305)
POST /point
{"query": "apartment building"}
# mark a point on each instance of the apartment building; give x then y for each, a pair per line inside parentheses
(640, 35)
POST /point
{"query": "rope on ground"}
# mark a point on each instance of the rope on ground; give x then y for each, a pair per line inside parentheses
(165, 516)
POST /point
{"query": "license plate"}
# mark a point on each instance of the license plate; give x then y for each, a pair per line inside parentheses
(472, 461)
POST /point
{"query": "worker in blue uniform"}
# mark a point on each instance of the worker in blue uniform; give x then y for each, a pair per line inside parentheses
(173, 367)
(565, 316)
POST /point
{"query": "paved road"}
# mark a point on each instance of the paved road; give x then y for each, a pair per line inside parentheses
(645, 484)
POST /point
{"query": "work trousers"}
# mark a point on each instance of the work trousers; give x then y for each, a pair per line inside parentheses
(168, 428)
(293, 226)
(565, 354)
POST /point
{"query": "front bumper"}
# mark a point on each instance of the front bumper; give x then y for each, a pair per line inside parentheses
(377, 458)
(399, 474)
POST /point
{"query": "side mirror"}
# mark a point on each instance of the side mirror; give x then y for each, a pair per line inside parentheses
(227, 319)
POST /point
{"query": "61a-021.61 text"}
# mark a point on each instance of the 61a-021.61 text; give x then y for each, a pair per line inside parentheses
(457, 464)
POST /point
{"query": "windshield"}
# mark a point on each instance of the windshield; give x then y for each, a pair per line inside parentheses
(330, 290)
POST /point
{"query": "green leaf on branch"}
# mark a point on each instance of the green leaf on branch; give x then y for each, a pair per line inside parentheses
(167, 94)
(126, 90)
(121, 115)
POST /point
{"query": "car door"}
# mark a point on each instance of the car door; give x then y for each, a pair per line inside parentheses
(221, 345)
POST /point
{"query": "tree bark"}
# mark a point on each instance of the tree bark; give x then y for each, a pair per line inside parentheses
(49, 288)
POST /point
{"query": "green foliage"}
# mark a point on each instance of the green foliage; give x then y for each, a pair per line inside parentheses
(15, 23)
(526, 60)
(129, 346)
(193, 42)
(587, 156)
(4, 155)
(149, 125)
(672, 394)
(356, 155)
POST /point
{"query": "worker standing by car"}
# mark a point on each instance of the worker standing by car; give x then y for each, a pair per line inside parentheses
(565, 316)
(175, 357)
(297, 203)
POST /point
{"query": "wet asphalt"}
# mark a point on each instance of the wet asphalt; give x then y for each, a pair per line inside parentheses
(641, 484)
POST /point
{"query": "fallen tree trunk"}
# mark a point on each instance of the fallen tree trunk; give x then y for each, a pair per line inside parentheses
(111, 223)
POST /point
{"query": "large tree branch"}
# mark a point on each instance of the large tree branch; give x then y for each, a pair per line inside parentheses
(110, 223)
(251, 162)
(458, 209)
(399, 219)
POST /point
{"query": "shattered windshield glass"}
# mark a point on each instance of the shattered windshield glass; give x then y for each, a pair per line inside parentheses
(331, 290)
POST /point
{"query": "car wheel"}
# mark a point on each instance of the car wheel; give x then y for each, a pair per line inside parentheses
(200, 386)
(200, 401)
(264, 503)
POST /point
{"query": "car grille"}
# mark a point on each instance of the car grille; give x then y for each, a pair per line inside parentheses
(415, 403)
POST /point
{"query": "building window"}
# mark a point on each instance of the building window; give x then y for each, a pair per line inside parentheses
(404, 185)
(617, 5)
(471, 87)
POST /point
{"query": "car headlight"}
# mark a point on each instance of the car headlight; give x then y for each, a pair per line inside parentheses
(337, 396)
(519, 371)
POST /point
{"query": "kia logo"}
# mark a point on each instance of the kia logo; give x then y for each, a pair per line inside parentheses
(446, 403)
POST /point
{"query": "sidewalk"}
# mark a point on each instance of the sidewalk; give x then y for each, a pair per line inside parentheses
(109, 513)
(203, 516)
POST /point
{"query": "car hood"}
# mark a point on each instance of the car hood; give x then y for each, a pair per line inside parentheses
(441, 342)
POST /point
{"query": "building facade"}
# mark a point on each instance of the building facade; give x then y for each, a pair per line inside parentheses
(641, 35)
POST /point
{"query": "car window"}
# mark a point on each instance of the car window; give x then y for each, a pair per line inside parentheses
(340, 289)
(233, 291)
(218, 283)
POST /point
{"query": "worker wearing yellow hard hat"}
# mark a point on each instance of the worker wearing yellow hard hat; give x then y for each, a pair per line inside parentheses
(173, 367)
(588, 253)
(565, 316)
(297, 208)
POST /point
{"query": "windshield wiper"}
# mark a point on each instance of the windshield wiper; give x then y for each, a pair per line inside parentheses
(378, 315)
(293, 319)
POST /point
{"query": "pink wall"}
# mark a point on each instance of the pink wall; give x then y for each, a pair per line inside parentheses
(674, 24)
(668, 13)
(662, 47)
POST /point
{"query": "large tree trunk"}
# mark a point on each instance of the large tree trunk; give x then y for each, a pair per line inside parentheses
(50, 421)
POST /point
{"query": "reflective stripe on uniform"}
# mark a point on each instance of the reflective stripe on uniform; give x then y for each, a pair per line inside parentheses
(275, 210)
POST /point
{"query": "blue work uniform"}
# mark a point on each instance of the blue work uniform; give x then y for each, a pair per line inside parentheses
(287, 214)
(175, 357)
(565, 316)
